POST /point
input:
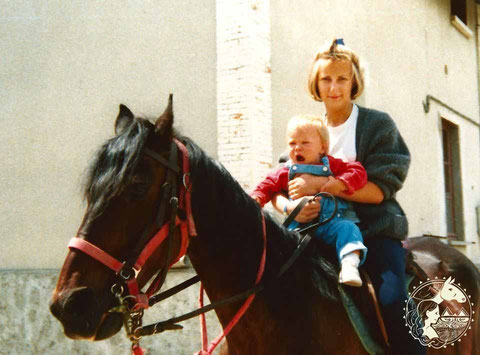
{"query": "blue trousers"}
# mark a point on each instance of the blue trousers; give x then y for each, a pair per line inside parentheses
(341, 233)
(386, 267)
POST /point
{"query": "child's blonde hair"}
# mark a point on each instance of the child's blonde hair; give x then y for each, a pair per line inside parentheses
(309, 122)
(337, 50)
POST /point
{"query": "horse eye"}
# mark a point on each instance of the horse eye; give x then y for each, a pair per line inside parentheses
(138, 190)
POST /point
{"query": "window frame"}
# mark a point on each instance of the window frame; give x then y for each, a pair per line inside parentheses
(451, 159)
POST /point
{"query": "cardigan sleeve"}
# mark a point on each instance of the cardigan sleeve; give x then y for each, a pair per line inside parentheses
(274, 183)
(386, 157)
(352, 174)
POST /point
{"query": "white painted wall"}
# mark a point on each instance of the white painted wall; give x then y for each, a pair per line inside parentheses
(64, 69)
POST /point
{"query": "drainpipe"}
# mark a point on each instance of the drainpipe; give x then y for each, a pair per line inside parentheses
(477, 51)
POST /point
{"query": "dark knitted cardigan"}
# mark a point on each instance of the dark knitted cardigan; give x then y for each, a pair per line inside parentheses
(385, 156)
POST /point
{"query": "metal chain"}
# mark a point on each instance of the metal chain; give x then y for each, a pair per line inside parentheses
(132, 320)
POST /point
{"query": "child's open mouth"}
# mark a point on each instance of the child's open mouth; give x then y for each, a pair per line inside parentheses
(299, 158)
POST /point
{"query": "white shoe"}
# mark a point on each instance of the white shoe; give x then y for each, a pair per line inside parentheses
(349, 275)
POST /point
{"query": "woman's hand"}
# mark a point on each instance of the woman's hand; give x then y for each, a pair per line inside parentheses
(334, 186)
(305, 185)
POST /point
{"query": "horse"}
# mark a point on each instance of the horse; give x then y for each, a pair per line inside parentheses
(300, 313)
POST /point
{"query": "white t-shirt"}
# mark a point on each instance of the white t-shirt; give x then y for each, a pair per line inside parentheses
(342, 138)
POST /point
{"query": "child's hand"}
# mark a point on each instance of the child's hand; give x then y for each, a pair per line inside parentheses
(334, 186)
(308, 213)
(257, 200)
(305, 185)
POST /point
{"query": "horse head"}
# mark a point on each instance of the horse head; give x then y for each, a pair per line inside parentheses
(123, 192)
(450, 291)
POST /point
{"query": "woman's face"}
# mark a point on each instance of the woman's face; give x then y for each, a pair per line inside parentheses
(335, 81)
(305, 146)
(433, 315)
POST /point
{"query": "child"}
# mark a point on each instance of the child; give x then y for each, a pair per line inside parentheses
(308, 147)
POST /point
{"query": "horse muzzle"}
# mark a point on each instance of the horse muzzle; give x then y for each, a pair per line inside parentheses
(82, 316)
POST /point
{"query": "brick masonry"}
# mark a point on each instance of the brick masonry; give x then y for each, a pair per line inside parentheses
(244, 113)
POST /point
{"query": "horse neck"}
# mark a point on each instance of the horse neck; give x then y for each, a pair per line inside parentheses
(227, 251)
(438, 298)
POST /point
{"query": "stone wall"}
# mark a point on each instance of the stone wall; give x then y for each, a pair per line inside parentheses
(28, 328)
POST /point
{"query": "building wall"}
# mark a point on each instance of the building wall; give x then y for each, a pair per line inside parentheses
(65, 68)
(406, 47)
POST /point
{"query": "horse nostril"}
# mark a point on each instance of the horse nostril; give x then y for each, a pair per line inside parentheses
(78, 311)
(81, 300)
(55, 308)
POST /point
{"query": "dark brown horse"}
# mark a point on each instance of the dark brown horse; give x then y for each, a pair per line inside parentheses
(298, 314)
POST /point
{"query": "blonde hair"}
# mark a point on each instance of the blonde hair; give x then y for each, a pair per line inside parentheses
(336, 51)
(309, 122)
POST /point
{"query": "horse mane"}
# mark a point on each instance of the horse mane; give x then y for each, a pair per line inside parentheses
(114, 165)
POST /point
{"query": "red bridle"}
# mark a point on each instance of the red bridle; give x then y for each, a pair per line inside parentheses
(187, 227)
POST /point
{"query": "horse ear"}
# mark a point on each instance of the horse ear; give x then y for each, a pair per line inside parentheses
(449, 280)
(124, 118)
(164, 124)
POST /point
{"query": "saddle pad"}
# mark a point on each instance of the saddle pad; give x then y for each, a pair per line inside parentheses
(359, 323)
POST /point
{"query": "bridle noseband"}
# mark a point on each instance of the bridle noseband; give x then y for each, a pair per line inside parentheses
(173, 198)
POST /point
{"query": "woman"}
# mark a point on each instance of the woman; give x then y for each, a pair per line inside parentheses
(372, 138)
(432, 316)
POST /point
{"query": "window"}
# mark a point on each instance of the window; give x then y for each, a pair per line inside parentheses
(459, 9)
(452, 174)
(458, 17)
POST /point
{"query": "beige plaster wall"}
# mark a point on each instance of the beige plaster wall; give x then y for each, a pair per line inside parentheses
(64, 69)
(405, 47)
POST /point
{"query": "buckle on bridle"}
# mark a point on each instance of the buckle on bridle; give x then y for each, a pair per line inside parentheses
(127, 272)
(117, 290)
(184, 180)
